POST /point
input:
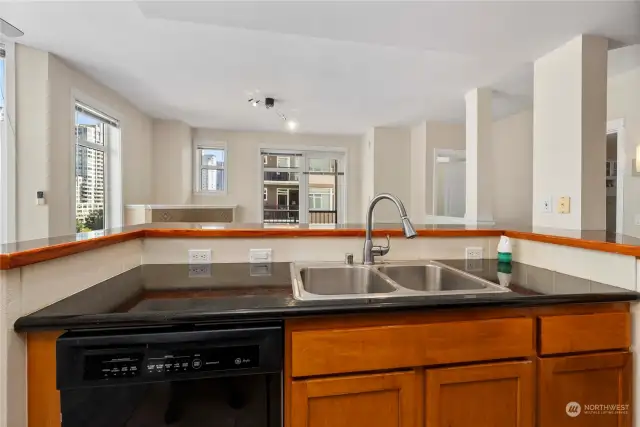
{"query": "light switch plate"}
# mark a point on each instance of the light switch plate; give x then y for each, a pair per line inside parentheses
(564, 205)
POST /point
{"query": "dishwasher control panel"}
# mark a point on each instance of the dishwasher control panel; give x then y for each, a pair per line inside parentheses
(105, 358)
(211, 359)
(154, 362)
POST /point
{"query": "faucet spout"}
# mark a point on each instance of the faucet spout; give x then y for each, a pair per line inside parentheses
(370, 251)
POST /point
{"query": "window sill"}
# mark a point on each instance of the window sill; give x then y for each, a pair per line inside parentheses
(210, 193)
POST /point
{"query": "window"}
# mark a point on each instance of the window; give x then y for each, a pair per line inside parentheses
(211, 168)
(93, 131)
(282, 162)
(303, 187)
(321, 199)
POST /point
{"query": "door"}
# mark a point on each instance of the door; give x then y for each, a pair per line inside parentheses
(377, 400)
(325, 187)
(495, 395)
(588, 391)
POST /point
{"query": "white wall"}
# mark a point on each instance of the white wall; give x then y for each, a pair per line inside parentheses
(513, 168)
(245, 166)
(172, 162)
(45, 92)
(623, 102)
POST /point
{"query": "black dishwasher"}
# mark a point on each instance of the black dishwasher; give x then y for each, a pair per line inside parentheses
(222, 376)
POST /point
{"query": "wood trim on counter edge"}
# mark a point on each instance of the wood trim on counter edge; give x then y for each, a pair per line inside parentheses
(575, 242)
(47, 253)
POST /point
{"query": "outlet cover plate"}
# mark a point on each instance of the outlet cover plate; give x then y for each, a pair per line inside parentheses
(547, 206)
(199, 256)
(262, 256)
(564, 205)
(473, 253)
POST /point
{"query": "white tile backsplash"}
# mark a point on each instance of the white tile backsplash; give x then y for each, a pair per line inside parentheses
(612, 269)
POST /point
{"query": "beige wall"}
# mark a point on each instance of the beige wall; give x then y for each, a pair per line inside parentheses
(419, 171)
(623, 102)
(440, 135)
(172, 162)
(175, 251)
(367, 170)
(244, 167)
(513, 168)
(45, 91)
(569, 133)
(33, 142)
(391, 170)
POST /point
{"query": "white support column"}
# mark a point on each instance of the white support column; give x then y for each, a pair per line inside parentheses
(569, 134)
(479, 175)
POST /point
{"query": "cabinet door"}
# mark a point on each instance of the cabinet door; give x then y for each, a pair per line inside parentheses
(378, 400)
(568, 387)
(492, 395)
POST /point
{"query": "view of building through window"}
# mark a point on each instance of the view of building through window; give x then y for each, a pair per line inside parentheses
(299, 187)
(92, 139)
(212, 165)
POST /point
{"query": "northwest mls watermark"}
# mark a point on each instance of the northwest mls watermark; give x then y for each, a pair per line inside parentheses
(575, 409)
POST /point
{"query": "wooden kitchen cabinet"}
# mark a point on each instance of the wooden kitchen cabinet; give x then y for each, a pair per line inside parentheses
(370, 400)
(495, 395)
(593, 379)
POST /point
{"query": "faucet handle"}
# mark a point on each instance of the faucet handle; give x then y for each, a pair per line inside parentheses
(383, 250)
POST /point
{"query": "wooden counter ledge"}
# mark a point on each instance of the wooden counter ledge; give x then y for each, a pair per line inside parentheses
(30, 252)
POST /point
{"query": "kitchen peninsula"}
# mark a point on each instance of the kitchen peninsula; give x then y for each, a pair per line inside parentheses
(561, 334)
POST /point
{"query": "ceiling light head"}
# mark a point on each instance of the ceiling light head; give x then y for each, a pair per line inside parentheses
(292, 125)
(269, 102)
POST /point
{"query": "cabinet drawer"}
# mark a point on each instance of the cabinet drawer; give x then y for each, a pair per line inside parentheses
(585, 332)
(342, 350)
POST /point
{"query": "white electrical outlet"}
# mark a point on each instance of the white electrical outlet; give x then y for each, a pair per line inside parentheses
(260, 256)
(473, 253)
(637, 219)
(202, 270)
(199, 256)
(547, 206)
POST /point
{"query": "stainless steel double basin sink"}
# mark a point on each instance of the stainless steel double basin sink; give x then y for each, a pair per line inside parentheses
(327, 281)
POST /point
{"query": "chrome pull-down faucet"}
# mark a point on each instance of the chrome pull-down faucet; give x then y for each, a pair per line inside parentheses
(370, 251)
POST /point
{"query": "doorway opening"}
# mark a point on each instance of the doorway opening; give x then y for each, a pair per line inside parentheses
(616, 169)
(611, 181)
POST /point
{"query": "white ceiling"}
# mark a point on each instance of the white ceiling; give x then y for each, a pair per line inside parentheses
(337, 67)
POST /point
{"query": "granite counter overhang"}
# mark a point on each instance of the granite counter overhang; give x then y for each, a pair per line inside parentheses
(164, 296)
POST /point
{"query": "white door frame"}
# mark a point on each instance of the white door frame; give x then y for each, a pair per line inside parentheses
(617, 127)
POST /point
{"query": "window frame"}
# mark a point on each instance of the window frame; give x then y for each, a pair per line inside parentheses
(113, 211)
(340, 154)
(8, 229)
(197, 168)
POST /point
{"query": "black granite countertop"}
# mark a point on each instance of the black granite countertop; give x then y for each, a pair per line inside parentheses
(171, 294)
